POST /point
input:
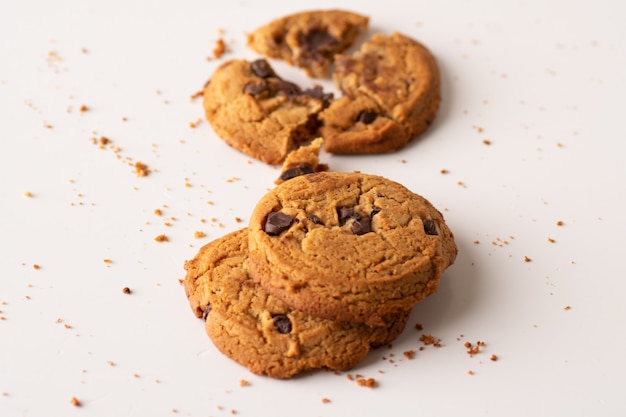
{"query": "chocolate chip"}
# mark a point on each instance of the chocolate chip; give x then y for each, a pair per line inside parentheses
(276, 223)
(261, 68)
(361, 225)
(375, 211)
(366, 117)
(296, 171)
(282, 323)
(318, 93)
(315, 40)
(255, 88)
(345, 214)
(287, 88)
(430, 227)
(206, 311)
(314, 219)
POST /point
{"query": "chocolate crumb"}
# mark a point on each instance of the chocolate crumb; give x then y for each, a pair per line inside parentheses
(314, 219)
(126, 290)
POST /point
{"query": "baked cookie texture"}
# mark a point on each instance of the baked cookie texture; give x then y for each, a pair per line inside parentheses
(260, 331)
(256, 112)
(348, 246)
(391, 94)
(309, 39)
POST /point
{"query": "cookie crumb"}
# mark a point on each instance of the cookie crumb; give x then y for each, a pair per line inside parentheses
(28, 194)
(325, 400)
(126, 290)
(219, 49)
(409, 354)
(75, 402)
(369, 382)
(444, 171)
(419, 326)
(487, 142)
(470, 372)
(162, 238)
(527, 259)
(107, 261)
(560, 223)
(567, 308)
(551, 240)
(244, 383)
(83, 108)
(158, 212)
(198, 234)
(141, 169)
(494, 358)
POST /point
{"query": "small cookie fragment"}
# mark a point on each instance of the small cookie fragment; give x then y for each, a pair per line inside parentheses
(304, 160)
(391, 90)
(310, 39)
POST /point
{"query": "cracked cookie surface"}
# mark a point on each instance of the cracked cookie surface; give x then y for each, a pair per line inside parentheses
(348, 246)
(256, 112)
(309, 39)
(260, 331)
(391, 94)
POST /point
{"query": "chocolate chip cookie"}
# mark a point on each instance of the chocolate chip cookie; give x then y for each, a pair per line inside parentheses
(260, 331)
(309, 39)
(348, 246)
(391, 94)
(258, 113)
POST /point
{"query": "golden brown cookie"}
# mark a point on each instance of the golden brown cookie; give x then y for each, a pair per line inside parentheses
(304, 160)
(348, 246)
(261, 332)
(309, 39)
(391, 94)
(258, 113)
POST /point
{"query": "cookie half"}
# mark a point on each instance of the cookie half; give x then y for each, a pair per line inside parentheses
(309, 39)
(391, 94)
(256, 112)
(348, 246)
(260, 331)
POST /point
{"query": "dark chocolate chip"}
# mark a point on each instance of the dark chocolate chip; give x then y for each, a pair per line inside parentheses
(430, 227)
(255, 88)
(318, 93)
(314, 219)
(375, 211)
(366, 117)
(345, 214)
(276, 223)
(282, 323)
(315, 40)
(361, 225)
(296, 171)
(206, 311)
(261, 68)
(287, 88)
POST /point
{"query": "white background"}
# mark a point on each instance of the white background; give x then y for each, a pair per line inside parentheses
(543, 81)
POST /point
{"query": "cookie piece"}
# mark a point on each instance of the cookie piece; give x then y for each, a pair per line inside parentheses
(310, 39)
(258, 113)
(261, 332)
(391, 94)
(348, 246)
(304, 160)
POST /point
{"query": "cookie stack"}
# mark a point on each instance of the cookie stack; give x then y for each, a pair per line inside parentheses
(390, 89)
(329, 266)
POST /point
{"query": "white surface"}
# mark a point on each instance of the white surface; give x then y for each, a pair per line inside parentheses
(543, 81)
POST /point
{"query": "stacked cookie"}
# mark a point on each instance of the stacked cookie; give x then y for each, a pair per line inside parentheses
(329, 266)
(390, 89)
